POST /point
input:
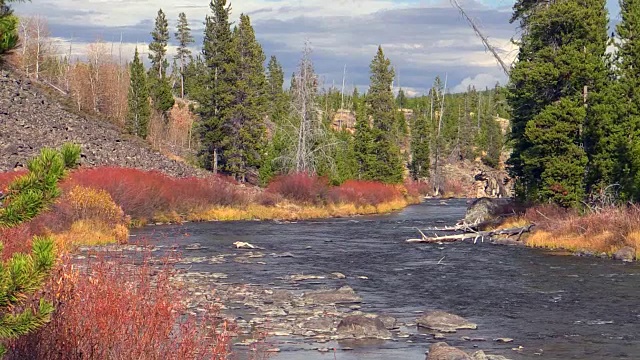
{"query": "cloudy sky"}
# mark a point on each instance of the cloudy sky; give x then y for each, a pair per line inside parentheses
(423, 38)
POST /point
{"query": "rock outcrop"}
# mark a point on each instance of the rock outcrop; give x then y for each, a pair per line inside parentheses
(31, 120)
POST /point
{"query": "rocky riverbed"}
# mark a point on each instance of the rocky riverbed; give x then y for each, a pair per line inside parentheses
(316, 286)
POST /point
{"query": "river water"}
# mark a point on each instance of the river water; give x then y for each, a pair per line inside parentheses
(554, 307)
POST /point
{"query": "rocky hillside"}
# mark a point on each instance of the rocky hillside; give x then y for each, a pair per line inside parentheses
(30, 120)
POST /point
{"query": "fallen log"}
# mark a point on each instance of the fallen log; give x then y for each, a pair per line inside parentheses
(475, 235)
(458, 227)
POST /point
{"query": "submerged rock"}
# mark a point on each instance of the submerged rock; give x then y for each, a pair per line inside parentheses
(444, 322)
(344, 295)
(442, 351)
(321, 325)
(362, 327)
(627, 254)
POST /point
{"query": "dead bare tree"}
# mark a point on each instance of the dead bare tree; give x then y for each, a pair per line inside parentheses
(440, 96)
(485, 40)
(36, 45)
(304, 127)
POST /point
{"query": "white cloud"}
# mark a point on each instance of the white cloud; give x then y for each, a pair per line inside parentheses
(422, 38)
(480, 82)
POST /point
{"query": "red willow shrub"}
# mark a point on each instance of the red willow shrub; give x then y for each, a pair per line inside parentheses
(454, 187)
(364, 193)
(142, 194)
(418, 188)
(117, 310)
(300, 187)
(15, 239)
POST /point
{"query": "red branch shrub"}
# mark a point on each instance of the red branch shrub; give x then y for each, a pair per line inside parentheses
(300, 187)
(115, 310)
(454, 187)
(418, 188)
(15, 239)
(142, 194)
(364, 193)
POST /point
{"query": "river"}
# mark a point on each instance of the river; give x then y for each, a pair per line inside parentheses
(554, 307)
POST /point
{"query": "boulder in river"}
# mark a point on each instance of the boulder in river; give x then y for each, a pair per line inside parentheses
(627, 254)
(444, 322)
(485, 209)
(344, 295)
(442, 351)
(362, 327)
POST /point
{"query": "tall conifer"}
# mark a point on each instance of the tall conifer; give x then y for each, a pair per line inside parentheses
(216, 96)
(382, 108)
(137, 122)
(562, 54)
(247, 126)
(183, 53)
(628, 65)
(159, 86)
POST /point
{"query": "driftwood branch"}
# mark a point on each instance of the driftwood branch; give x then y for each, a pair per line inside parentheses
(475, 235)
(457, 227)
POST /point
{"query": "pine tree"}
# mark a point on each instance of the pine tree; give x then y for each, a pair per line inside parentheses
(158, 47)
(275, 91)
(278, 105)
(8, 27)
(382, 108)
(23, 274)
(562, 52)
(183, 53)
(401, 99)
(137, 122)
(216, 96)
(159, 86)
(628, 65)
(247, 128)
(420, 152)
(363, 141)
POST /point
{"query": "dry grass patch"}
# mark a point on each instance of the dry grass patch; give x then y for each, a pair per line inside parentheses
(605, 231)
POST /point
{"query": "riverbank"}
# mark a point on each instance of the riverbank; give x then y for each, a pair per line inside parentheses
(607, 232)
(99, 205)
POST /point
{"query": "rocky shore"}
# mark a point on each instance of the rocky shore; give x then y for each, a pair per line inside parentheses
(316, 317)
(30, 120)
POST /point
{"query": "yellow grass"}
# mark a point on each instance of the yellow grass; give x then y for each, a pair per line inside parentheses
(91, 233)
(601, 243)
(288, 211)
